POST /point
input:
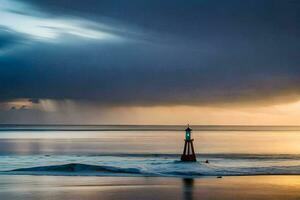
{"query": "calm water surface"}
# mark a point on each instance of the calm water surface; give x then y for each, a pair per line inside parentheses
(240, 142)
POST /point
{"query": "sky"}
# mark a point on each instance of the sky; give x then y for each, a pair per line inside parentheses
(150, 62)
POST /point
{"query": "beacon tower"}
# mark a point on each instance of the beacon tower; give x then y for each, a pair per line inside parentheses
(188, 151)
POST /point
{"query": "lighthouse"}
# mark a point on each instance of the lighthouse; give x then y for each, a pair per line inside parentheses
(188, 151)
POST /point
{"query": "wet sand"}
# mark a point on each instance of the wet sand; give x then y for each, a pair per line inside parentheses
(17, 187)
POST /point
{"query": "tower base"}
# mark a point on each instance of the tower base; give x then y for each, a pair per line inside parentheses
(188, 152)
(188, 158)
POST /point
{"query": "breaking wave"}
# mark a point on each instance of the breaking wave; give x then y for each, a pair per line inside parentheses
(76, 167)
(176, 169)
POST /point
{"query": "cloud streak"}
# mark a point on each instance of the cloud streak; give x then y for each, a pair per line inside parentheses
(28, 20)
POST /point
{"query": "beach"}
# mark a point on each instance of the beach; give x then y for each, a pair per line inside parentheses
(127, 188)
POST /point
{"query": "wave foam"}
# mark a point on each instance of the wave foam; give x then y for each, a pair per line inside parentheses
(77, 167)
(174, 170)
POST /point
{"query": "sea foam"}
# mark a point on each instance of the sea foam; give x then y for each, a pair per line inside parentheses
(159, 166)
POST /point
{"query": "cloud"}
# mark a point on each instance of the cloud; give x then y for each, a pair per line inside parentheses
(6, 39)
(35, 101)
(29, 20)
(196, 53)
(10, 40)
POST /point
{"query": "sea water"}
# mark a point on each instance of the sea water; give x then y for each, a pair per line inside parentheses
(148, 151)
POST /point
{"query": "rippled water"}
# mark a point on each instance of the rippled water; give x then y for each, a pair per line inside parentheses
(144, 151)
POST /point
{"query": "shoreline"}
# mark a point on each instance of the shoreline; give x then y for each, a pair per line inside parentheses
(136, 176)
(106, 188)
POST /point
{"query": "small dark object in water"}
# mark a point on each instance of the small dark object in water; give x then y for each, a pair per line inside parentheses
(207, 161)
(219, 177)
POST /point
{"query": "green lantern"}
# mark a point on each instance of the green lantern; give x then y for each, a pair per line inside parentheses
(188, 132)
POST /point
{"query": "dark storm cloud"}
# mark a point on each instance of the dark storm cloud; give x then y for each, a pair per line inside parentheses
(9, 39)
(173, 52)
(6, 40)
(34, 101)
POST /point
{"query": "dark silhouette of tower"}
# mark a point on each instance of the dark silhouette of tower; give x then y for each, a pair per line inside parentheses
(188, 151)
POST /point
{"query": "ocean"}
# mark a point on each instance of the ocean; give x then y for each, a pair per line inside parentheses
(148, 151)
